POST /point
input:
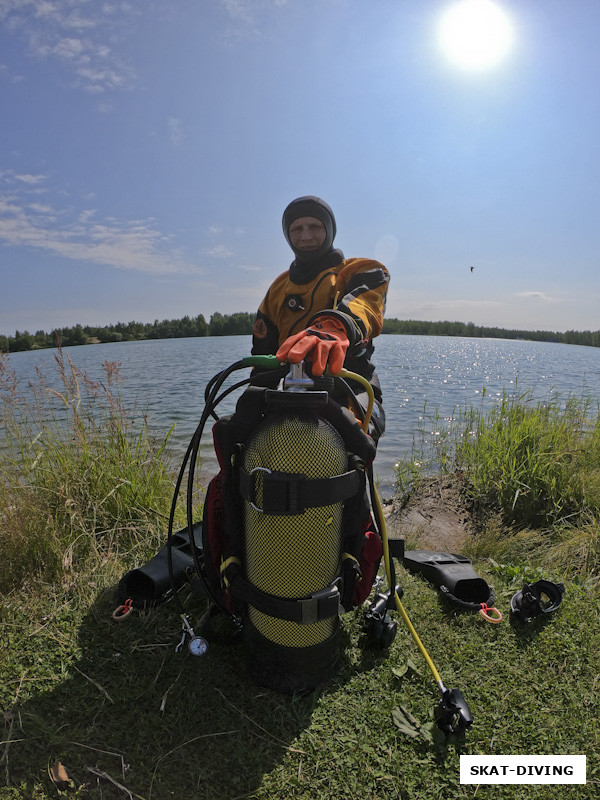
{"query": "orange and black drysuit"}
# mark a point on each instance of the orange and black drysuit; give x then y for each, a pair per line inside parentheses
(322, 283)
(353, 290)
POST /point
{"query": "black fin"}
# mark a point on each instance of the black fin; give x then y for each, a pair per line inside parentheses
(150, 585)
(453, 574)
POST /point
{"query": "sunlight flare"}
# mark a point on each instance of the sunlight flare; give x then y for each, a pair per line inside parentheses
(475, 34)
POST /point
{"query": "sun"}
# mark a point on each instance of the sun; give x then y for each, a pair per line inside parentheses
(475, 34)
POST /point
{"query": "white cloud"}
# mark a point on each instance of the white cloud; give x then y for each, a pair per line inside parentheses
(76, 33)
(105, 108)
(42, 8)
(220, 251)
(215, 230)
(245, 10)
(240, 10)
(529, 310)
(248, 17)
(459, 304)
(40, 208)
(538, 296)
(123, 244)
(69, 48)
(87, 214)
(29, 179)
(175, 131)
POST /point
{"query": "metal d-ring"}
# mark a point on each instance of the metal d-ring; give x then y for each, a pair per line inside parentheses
(252, 471)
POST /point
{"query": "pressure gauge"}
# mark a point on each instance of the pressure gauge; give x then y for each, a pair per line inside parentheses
(198, 646)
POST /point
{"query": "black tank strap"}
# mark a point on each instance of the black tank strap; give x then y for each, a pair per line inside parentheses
(305, 611)
(286, 493)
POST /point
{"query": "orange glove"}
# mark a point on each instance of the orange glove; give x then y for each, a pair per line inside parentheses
(325, 342)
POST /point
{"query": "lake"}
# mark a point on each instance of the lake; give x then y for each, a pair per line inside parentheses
(425, 380)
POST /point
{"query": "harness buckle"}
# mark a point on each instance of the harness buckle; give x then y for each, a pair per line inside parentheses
(281, 492)
(327, 601)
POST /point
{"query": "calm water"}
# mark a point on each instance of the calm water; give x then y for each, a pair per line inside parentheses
(419, 375)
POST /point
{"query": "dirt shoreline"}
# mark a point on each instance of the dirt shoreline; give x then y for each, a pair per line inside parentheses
(435, 514)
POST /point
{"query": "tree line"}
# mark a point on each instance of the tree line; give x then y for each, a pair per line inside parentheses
(413, 327)
(242, 323)
(218, 325)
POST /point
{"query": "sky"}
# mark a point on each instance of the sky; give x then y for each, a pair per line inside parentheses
(149, 147)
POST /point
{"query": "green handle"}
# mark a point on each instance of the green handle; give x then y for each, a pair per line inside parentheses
(263, 362)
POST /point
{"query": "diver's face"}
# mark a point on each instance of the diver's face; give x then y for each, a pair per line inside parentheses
(307, 233)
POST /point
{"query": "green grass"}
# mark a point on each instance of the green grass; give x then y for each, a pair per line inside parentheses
(79, 486)
(537, 463)
(116, 699)
(128, 716)
(530, 473)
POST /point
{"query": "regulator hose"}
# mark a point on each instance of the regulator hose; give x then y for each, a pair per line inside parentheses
(453, 714)
(212, 399)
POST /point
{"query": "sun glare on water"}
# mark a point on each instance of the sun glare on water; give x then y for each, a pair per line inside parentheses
(475, 34)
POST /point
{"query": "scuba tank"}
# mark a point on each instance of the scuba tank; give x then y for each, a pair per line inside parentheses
(287, 536)
(294, 553)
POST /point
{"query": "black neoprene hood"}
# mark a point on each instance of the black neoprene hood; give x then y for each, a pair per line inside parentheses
(309, 206)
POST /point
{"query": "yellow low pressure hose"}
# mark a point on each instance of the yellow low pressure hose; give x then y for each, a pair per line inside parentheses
(399, 606)
(384, 534)
(353, 376)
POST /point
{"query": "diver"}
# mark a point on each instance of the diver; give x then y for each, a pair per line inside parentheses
(325, 308)
(287, 527)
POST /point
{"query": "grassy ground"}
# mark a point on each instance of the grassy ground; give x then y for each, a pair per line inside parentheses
(115, 704)
(116, 712)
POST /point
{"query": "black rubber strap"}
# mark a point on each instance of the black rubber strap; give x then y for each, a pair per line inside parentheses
(527, 603)
(286, 493)
(304, 611)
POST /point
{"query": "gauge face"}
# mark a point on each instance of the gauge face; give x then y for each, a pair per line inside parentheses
(198, 646)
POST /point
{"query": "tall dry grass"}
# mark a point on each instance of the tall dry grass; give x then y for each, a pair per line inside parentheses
(80, 485)
(530, 471)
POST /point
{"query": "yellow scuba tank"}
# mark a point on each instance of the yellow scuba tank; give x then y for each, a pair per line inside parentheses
(292, 549)
(286, 543)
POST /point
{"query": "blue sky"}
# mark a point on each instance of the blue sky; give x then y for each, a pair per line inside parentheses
(148, 148)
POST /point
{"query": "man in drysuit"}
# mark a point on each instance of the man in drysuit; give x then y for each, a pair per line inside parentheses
(325, 308)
